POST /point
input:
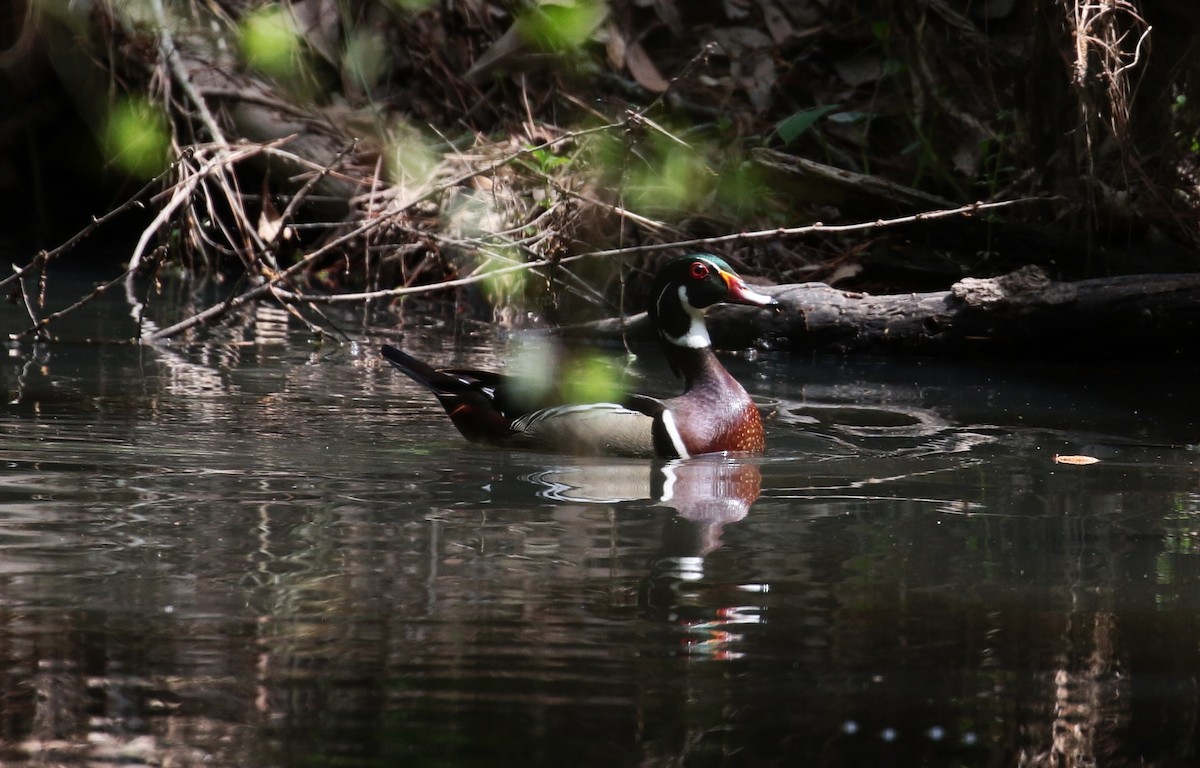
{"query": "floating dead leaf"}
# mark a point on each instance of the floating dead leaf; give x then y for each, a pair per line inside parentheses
(1076, 460)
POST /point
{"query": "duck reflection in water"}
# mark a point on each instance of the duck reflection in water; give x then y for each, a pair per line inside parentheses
(707, 493)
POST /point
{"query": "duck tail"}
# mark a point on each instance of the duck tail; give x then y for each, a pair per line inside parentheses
(467, 396)
(421, 372)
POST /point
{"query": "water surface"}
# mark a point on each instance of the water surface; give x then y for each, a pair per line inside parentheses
(275, 552)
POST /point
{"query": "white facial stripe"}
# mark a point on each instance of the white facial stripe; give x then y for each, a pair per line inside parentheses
(687, 305)
(697, 333)
(673, 433)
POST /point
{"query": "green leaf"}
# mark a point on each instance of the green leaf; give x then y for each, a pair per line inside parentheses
(791, 128)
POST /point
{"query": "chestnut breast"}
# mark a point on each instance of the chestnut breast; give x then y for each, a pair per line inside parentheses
(718, 416)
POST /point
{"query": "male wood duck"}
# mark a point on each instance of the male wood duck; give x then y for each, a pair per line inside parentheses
(713, 414)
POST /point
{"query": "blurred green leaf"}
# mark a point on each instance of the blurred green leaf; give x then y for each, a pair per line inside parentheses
(592, 378)
(677, 178)
(561, 27)
(366, 57)
(743, 190)
(136, 138)
(409, 159)
(503, 288)
(413, 6)
(533, 372)
(270, 43)
(547, 161)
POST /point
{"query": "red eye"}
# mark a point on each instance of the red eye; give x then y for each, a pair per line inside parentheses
(700, 270)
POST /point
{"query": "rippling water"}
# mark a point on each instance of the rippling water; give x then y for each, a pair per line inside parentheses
(279, 554)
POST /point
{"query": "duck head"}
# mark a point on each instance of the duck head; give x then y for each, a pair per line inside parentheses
(684, 290)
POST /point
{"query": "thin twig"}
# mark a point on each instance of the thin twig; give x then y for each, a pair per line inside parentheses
(305, 190)
(737, 237)
(181, 191)
(27, 302)
(170, 54)
(42, 258)
(273, 281)
(40, 326)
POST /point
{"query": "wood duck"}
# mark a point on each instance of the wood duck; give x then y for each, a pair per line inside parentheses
(713, 414)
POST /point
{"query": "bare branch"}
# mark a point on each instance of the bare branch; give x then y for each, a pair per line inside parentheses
(677, 245)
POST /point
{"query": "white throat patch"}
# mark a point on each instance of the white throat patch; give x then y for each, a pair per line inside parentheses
(697, 333)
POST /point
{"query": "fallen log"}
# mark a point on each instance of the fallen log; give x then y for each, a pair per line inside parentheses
(1024, 312)
(1021, 313)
